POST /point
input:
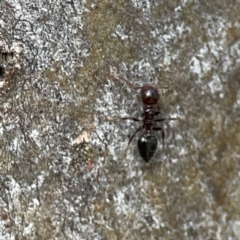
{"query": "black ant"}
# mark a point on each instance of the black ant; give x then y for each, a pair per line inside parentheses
(147, 142)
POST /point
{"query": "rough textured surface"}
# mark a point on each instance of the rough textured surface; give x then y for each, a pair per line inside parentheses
(62, 171)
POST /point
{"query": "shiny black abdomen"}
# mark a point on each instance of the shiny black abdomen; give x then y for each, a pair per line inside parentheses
(147, 146)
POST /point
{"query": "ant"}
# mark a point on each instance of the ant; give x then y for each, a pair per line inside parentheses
(147, 142)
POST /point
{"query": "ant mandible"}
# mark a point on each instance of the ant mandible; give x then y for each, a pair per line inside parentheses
(147, 142)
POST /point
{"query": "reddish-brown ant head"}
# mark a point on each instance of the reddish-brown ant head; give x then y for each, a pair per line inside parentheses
(149, 94)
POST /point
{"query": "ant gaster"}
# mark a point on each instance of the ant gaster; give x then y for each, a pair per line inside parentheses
(147, 142)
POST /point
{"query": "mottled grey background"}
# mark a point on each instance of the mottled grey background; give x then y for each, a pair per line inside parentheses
(54, 185)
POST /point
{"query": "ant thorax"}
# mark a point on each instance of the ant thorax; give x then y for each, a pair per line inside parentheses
(149, 111)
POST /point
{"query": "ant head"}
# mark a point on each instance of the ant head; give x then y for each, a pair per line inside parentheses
(149, 94)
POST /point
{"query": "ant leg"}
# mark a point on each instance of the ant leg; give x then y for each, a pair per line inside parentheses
(132, 137)
(124, 118)
(131, 118)
(130, 140)
(163, 119)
